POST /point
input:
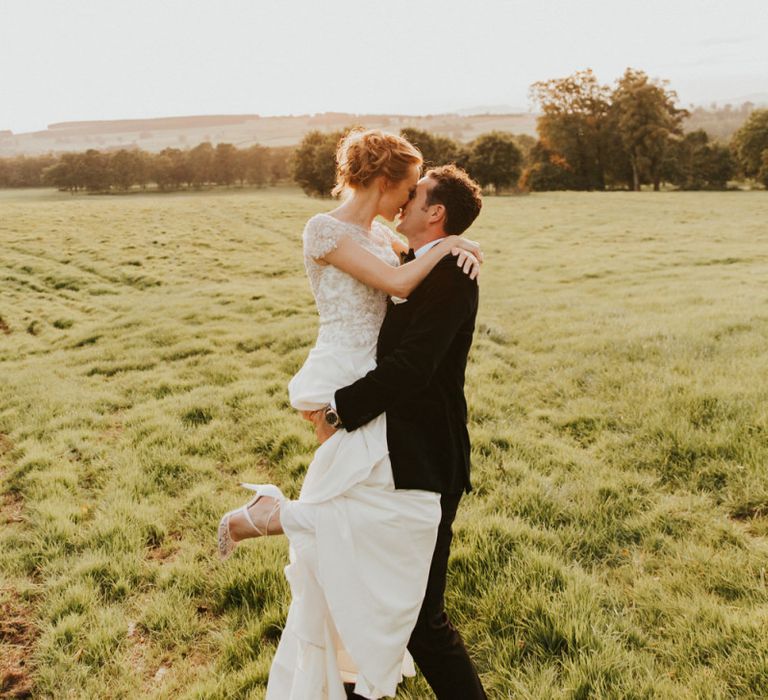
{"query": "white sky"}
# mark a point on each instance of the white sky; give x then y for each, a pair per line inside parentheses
(63, 60)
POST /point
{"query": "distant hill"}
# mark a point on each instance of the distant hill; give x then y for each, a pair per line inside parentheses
(246, 129)
(720, 122)
(242, 130)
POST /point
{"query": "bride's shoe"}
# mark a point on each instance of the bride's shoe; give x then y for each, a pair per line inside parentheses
(226, 543)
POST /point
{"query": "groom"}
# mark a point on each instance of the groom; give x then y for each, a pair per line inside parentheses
(419, 381)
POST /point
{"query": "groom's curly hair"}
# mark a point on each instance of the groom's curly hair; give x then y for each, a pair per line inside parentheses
(458, 193)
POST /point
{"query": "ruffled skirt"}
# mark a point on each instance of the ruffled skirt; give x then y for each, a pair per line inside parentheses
(360, 553)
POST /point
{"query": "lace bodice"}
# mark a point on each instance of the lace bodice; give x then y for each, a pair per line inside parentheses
(350, 312)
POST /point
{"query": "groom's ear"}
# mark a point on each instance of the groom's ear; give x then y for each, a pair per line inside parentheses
(437, 214)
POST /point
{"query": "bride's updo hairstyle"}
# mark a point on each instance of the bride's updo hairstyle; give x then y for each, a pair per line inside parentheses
(362, 156)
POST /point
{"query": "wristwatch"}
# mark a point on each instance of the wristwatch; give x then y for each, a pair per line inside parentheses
(332, 418)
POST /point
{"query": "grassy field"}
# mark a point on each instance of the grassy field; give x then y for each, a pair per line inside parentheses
(616, 545)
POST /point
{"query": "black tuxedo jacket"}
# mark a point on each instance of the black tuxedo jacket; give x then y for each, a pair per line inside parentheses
(419, 381)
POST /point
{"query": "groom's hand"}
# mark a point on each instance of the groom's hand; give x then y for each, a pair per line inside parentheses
(322, 430)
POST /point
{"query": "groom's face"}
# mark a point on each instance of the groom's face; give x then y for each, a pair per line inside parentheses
(414, 215)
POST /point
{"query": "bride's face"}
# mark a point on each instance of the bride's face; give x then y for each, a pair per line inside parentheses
(395, 195)
(415, 216)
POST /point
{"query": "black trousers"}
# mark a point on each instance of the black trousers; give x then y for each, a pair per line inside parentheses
(435, 644)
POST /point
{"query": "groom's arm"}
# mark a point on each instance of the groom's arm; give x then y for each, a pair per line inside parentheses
(449, 299)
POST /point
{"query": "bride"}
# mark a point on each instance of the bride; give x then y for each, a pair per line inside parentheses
(360, 550)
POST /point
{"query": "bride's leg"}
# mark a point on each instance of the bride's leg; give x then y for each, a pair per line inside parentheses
(259, 517)
(264, 513)
(273, 517)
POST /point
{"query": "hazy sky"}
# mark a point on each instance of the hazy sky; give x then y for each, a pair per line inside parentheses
(64, 60)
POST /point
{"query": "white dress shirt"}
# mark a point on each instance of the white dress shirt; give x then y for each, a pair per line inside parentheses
(428, 246)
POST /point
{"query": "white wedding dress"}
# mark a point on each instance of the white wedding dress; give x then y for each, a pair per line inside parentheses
(360, 550)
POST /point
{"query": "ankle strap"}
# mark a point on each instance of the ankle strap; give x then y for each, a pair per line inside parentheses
(248, 517)
(275, 509)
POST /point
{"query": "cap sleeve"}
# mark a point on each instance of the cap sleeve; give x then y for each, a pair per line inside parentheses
(321, 236)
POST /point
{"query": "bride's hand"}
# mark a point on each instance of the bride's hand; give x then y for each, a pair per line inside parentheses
(467, 261)
(322, 430)
(467, 245)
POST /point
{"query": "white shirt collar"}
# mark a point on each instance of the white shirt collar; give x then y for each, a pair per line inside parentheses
(428, 246)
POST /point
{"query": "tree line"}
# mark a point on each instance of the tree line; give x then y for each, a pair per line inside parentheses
(170, 169)
(594, 137)
(590, 137)
(494, 159)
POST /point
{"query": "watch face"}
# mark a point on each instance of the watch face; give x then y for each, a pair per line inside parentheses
(331, 417)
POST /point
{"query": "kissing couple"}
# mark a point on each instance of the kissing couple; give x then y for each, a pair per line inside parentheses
(370, 533)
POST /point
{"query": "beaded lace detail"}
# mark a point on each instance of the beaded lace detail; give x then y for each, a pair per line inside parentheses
(350, 312)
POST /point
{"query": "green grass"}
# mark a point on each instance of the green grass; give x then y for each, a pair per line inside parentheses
(615, 546)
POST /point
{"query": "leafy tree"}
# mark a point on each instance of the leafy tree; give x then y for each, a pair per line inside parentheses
(66, 174)
(225, 165)
(280, 160)
(750, 143)
(696, 163)
(125, 168)
(575, 122)
(162, 169)
(201, 164)
(435, 149)
(711, 164)
(314, 162)
(495, 159)
(647, 122)
(762, 174)
(95, 170)
(548, 171)
(170, 168)
(716, 165)
(256, 162)
(143, 168)
(24, 171)
(526, 144)
(240, 167)
(182, 168)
